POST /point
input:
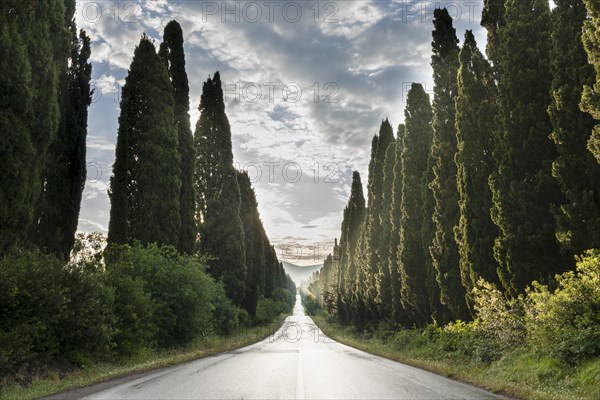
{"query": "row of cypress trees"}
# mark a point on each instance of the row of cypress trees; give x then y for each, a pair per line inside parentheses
(496, 179)
(173, 188)
(44, 98)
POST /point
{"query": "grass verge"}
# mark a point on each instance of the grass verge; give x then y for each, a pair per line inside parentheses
(97, 372)
(520, 374)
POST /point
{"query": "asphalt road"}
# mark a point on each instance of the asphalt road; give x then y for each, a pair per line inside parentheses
(299, 362)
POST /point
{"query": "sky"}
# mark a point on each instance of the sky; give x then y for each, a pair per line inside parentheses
(306, 85)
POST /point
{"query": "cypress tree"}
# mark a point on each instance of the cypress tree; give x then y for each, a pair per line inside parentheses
(172, 53)
(374, 215)
(359, 300)
(253, 236)
(34, 49)
(523, 187)
(144, 188)
(475, 103)
(353, 216)
(394, 234)
(218, 197)
(16, 147)
(590, 101)
(414, 293)
(384, 277)
(57, 212)
(444, 251)
(576, 170)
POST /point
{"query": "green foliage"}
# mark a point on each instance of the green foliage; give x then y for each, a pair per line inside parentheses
(57, 211)
(443, 248)
(254, 241)
(576, 170)
(394, 227)
(374, 266)
(353, 216)
(145, 186)
(475, 130)
(133, 306)
(34, 48)
(492, 19)
(523, 187)
(268, 309)
(218, 198)
(500, 321)
(180, 289)
(386, 272)
(225, 316)
(411, 254)
(565, 322)
(52, 309)
(310, 305)
(590, 100)
(172, 53)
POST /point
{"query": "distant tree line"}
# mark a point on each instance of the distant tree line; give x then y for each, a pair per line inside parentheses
(495, 180)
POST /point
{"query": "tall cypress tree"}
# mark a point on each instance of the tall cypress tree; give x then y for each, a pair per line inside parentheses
(394, 234)
(523, 187)
(414, 293)
(361, 314)
(16, 147)
(218, 197)
(253, 236)
(384, 277)
(590, 100)
(475, 130)
(57, 211)
(34, 51)
(172, 53)
(444, 251)
(578, 174)
(374, 214)
(353, 216)
(144, 188)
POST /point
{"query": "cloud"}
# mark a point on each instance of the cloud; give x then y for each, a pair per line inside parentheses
(326, 80)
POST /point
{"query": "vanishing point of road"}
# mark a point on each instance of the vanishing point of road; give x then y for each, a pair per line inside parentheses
(297, 362)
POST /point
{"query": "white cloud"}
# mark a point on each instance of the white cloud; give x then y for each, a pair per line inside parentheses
(370, 55)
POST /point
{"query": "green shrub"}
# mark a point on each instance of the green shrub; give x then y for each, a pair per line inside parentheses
(133, 305)
(225, 315)
(566, 323)
(52, 309)
(265, 311)
(500, 322)
(310, 305)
